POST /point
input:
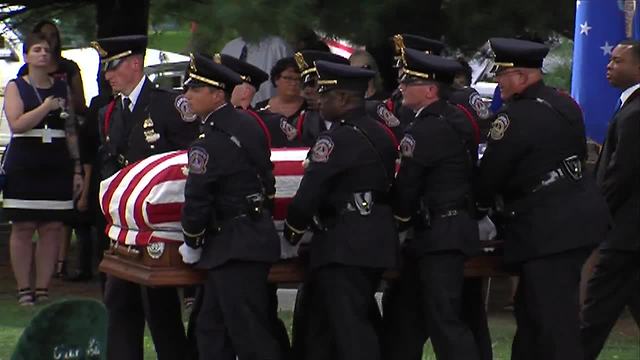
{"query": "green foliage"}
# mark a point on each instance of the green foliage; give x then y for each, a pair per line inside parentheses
(560, 75)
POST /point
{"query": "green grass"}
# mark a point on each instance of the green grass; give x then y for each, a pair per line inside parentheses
(174, 41)
(624, 343)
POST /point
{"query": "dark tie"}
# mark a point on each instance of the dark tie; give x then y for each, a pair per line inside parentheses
(618, 105)
(243, 53)
(126, 105)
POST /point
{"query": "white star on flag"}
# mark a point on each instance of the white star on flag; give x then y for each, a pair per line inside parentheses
(607, 49)
(584, 28)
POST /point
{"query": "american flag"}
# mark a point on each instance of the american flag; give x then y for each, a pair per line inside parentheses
(143, 201)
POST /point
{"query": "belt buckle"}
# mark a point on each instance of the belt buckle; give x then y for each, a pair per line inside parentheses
(449, 213)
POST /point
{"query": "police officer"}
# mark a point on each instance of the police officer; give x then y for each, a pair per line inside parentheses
(310, 123)
(433, 193)
(400, 42)
(556, 215)
(344, 194)
(241, 97)
(141, 121)
(227, 230)
(462, 94)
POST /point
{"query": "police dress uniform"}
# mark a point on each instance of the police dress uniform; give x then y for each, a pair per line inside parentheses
(224, 214)
(345, 189)
(433, 191)
(127, 135)
(394, 103)
(616, 279)
(470, 102)
(555, 215)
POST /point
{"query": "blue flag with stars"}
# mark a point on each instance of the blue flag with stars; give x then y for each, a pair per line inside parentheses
(600, 25)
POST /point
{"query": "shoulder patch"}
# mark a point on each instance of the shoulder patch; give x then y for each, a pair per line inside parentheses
(499, 126)
(322, 149)
(182, 105)
(289, 130)
(198, 159)
(475, 101)
(407, 146)
(387, 116)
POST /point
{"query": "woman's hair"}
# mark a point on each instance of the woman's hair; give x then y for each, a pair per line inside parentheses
(32, 39)
(280, 66)
(38, 28)
(371, 65)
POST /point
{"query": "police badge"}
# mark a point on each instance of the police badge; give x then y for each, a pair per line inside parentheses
(407, 146)
(387, 116)
(182, 105)
(475, 100)
(150, 135)
(198, 159)
(289, 130)
(322, 149)
(499, 126)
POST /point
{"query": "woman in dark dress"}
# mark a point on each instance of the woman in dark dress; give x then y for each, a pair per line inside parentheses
(68, 71)
(42, 166)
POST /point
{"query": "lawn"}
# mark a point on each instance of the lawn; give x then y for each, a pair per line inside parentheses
(624, 344)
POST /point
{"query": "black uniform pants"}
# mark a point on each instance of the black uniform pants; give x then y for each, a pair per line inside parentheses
(341, 326)
(615, 284)
(546, 308)
(405, 326)
(128, 305)
(234, 317)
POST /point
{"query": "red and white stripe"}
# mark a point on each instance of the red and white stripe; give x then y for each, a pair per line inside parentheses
(142, 203)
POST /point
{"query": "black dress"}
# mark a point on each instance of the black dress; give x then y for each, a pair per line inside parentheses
(38, 166)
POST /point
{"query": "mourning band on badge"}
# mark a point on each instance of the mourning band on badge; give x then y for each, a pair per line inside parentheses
(407, 146)
(198, 159)
(387, 116)
(289, 130)
(499, 127)
(182, 105)
(475, 100)
(322, 149)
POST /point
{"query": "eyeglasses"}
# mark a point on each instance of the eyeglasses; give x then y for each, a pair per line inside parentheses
(506, 72)
(291, 78)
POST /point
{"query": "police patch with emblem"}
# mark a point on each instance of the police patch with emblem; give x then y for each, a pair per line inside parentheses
(289, 130)
(387, 116)
(475, 100)
(499, 127)
(198, 159)
(322, 149)
(407, 146)
(182, 105)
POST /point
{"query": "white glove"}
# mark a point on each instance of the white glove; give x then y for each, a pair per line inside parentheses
(189, 254)
(487, 229)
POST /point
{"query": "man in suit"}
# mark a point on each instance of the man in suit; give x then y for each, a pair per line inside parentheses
(616, 279)
(140, 121)
(555, 216)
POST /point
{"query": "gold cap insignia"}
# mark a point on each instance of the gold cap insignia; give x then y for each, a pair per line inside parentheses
(192, 64)
(302, 65)
(217, 58)
(398, 43)
(148, 123)
(96, 45)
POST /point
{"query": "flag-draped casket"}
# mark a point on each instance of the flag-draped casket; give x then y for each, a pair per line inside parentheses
(142, 205)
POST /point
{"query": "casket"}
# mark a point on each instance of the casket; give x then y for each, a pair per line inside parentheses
(142, 205)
